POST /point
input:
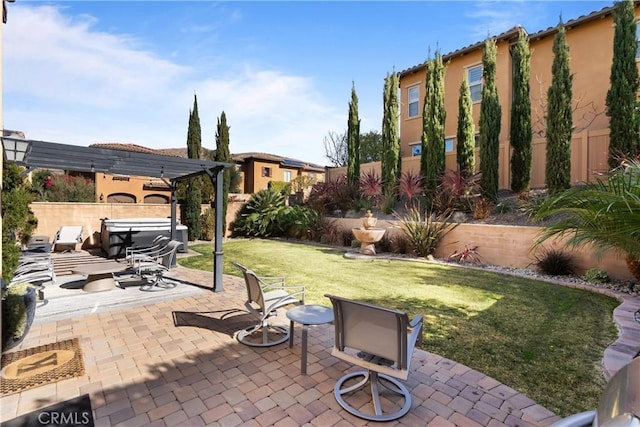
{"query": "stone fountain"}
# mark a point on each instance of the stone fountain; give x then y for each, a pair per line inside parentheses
(368, 235)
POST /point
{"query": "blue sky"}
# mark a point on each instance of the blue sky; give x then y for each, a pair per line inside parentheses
(84, 72)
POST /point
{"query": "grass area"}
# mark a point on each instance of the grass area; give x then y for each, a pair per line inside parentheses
(541, 339)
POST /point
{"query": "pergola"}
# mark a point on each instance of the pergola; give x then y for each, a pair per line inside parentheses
(34, 154)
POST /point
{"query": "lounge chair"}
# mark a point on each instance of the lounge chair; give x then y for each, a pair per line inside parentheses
(68, 235)
(264, 296)
(380, 340)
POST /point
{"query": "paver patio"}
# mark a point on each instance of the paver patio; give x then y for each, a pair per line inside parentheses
(176, 362)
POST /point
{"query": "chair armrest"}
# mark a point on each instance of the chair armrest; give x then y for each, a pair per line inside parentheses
(271, 280)
(298, 289)
(415, 332)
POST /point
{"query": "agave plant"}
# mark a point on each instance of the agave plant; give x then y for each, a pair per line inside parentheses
(604, 214)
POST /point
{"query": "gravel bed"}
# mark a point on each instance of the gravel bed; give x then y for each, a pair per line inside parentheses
(624, 286)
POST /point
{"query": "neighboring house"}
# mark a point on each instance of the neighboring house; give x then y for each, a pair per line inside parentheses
(590, 42)
(132, 189)
(259, 169)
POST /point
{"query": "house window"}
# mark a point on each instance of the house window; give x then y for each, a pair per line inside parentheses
(416, 150)
(414, 93)
(448, 145)
(287, 176)
(266, 171)
(474, 77)
(637, 40)
(312, 175)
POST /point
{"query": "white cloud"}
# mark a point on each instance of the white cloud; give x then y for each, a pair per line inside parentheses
(66, 82)
(495, 17)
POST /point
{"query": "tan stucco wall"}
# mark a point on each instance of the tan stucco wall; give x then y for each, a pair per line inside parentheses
(509, 246)
(107, 184)
(51, 216)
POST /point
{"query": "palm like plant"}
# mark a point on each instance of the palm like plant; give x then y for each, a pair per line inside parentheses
(604, 214)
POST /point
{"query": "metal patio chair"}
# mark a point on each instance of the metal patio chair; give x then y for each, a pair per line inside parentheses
(380, 340)
(265, 295)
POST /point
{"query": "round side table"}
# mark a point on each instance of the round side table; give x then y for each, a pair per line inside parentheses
(307, 315)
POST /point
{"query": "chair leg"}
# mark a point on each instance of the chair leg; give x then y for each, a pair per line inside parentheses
(375, 380)
(258, 335)
(157, 284)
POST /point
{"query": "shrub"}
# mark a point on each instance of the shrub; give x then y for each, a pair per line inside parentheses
(327, 197)
(424, 234)
(596, 275)
(280, 187)
(65, 188)
(370, 186)
(466, 255)
(296, 222)
(410, 185)
(208, 221)
(481, 208)
(259, 216)
(456, 191)
(555, 262)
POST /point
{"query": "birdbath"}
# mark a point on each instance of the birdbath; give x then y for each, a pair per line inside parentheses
(368, 235)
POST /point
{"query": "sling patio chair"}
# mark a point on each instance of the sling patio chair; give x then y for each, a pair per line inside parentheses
(151, 266)
(265, 295)
(381, 340)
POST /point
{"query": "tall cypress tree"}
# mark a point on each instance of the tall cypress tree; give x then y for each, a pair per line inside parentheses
(520, 128)
(465, 147)
(432, 157)
(391, 159)
(559, 117)
(193, 198)
(490, 116)
(353, 139)
(223, 154)
(621, 97)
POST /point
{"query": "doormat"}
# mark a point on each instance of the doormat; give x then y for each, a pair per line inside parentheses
(37, 366)
(70, 413)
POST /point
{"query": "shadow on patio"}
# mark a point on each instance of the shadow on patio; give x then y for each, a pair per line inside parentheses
(175, 361)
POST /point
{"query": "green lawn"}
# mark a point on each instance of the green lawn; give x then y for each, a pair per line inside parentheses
(543, 340)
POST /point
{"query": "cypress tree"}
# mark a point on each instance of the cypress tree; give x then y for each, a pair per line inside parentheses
(520, 128)
(353, 140)
(559, 117)
(223, 155)
(432, 157)
(621, 97)
(465, 148)
(193, 198)
(390, 163)
(490, 116)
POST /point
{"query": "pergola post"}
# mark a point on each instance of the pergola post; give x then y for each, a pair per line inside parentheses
(174, 204)
(218, 263)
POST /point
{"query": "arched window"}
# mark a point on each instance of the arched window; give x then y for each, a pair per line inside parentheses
(121, 198)
(157, 199)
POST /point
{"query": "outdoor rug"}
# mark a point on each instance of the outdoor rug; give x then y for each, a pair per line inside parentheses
(37, 366)
(70, 413)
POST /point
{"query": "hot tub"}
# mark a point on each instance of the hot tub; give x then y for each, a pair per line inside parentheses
(118, 234)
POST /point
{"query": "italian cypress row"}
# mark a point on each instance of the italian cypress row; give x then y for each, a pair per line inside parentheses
(223, 155)
(621, 97)
(465, 147)
(432, 158)
(490, 115)
(193, 197)
(559, 117)
(390, 163)
(520, 129)
(353, 140)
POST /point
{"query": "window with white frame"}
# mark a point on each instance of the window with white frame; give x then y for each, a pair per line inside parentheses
(448, 145)
(287, 176)
(474, 77)
(416, 149)
(414, 102)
